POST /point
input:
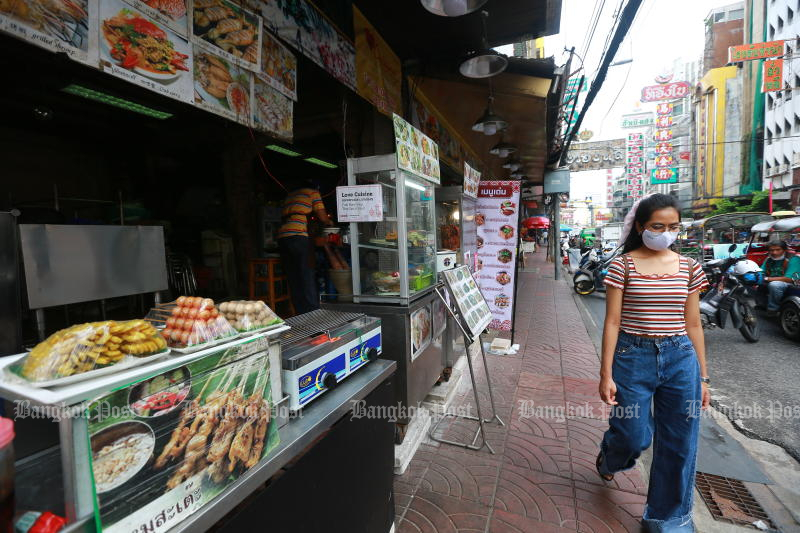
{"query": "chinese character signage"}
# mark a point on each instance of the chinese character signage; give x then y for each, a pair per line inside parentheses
(660, 176)
(596, 155)
(664, 148)
(663, 135)
(773, 75)
(664, 109)
(663, 122)
(664, 161)
(746, 52)
(667, 91)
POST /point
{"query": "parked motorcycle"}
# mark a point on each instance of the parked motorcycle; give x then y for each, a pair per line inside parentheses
(592, 269)
(728, 297)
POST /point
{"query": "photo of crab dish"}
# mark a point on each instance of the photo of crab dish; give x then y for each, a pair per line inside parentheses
(506, 231)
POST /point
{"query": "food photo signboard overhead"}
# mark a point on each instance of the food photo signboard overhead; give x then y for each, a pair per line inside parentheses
(171, 13)
(70, 28)
(497, 218)
(228, 30)
(122, 53)
(359, 203)
(471, 179)
(416, 152)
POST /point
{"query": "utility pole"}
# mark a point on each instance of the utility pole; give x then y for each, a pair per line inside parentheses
(555, 236)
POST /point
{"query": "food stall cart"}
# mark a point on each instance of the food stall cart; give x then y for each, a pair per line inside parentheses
(394, 273)
(455, 219)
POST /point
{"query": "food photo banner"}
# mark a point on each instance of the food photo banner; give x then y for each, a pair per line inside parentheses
(228, 30)
(67, 26)
(497, 217)
(142, 51)
(378, 68)
(471, 180)
(471, 305)
(171, 13)
(165, 447)
(305, 28)
(416, 152)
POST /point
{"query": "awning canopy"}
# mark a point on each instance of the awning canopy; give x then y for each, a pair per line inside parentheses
(536, 222)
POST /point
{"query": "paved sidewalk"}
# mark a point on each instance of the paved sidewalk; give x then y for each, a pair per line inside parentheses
(542, 478)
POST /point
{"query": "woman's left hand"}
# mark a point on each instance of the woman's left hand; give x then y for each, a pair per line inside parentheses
(706, 397)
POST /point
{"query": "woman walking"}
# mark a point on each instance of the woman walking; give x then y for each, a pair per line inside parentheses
(653, 349)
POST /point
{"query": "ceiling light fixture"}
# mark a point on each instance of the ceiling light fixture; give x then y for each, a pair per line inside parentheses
(452, 8)
(513, 164)
(115, 101)
(503, 149)
(282, 150)
(489, 123)
(485, 62)
(517, 175)
(320, 162)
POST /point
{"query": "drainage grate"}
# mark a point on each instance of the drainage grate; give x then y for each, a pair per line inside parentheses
(730, 501)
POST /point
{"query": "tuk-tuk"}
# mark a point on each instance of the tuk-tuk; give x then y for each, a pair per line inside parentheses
(788, 230)
(784, 229)
(711, 238)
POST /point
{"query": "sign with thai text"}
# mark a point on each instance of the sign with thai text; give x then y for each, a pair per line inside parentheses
(667, 91)
(747, 52)
(596, 155)
(637, 120)
(773, 75)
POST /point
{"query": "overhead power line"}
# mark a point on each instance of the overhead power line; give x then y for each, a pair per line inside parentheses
(625, 21)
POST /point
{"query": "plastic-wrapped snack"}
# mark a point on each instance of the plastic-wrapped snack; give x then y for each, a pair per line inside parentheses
(249, 315)
(84, 347)
(194, 321)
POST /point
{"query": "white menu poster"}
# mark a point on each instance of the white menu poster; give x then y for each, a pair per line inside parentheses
(497, 216)
(471, 179)
(471, 305)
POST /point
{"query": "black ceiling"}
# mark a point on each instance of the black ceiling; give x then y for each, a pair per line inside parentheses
(415, 33)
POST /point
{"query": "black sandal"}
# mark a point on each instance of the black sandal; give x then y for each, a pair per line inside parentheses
(598, 462)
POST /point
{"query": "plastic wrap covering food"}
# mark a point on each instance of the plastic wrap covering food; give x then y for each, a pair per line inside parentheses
(191, 321)
(85, 347)
(249, 315)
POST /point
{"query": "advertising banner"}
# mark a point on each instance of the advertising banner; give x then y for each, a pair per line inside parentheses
(378, 70)
(165, 447)
(746, 52)
(596, 155)
(471, 179)
(308, 30)
(416, 152)
(221, 87)
(665, 91)
(497, 218)
(637, 120)
(211, 29)
(273, 112)
(172, 14)
(773, 75)
(278, 66)
(125, 56)
(72, 29)
(660, 176)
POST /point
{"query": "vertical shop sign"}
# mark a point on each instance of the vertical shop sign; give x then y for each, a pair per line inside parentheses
(378, 70)
(634, 147)
(497, 218)
(773, 75)
(416, 152)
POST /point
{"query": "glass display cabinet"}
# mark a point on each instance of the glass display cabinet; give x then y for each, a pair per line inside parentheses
(394, 260)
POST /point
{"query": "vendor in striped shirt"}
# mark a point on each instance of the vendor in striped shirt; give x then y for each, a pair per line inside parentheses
(295, 247)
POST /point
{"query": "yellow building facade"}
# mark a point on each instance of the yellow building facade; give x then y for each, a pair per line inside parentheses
(710, 121)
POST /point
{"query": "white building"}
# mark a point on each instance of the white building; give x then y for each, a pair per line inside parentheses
(782, 114)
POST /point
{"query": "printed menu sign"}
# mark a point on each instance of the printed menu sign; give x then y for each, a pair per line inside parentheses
(416, 152)
(164, 447)
(471, 305)
(497, 219)
(68, 26)
(123, 52)
(471, 179)
(359, 203)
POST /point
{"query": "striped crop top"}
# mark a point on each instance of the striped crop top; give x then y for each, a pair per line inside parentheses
(654, 304)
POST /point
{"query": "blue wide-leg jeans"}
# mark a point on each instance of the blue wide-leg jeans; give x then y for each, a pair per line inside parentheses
(666, 371)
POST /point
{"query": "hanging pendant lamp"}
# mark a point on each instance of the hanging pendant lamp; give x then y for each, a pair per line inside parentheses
(452, 8)
(517, 175)
(483, 63)
(503, 149)
(513, 164)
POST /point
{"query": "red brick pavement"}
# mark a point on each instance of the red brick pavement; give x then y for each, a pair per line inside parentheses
(542, 478)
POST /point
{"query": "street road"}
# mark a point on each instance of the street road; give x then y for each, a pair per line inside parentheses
(757, 384)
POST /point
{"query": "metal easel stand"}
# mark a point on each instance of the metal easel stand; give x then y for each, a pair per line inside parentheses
(481, 431)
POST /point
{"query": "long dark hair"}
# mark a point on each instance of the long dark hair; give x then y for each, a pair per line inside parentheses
(643, 213)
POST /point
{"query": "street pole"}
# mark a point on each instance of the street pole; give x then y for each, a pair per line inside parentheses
(555, 236)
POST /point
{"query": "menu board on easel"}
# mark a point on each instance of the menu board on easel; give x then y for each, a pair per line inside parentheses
(474, 310)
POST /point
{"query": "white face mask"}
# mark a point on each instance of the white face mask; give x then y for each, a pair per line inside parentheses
(658, 241)
(781, 258)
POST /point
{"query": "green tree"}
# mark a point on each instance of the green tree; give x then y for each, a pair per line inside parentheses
(758, 202)
(726, 205)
